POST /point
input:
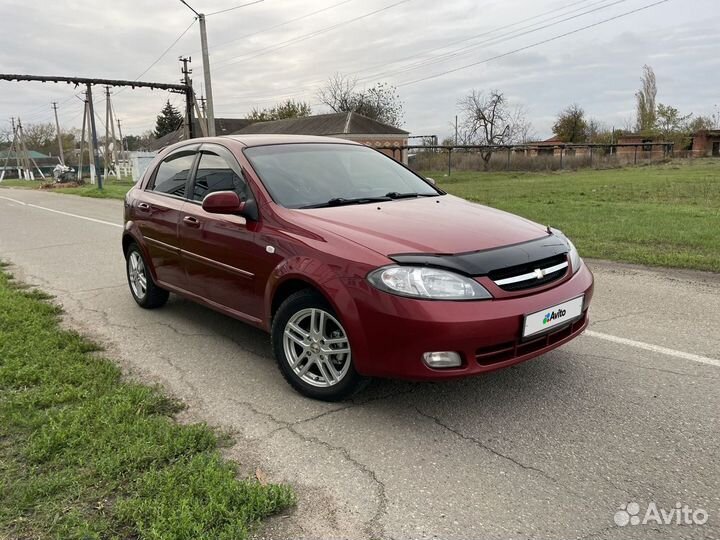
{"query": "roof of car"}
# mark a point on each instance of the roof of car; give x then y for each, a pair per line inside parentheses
(270, 138)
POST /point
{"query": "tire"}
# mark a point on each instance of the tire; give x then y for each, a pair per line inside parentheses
(304, 331)
(142, 287)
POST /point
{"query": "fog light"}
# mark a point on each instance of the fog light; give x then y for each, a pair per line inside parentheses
(442, 359)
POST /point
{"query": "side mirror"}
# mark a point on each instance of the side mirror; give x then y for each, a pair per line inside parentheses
(222, 202)
(431, 180)
(228, 202)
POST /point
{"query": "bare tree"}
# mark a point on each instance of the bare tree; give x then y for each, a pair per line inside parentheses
(380, 102)
(487, 120)
(645, 97)
(338, 93)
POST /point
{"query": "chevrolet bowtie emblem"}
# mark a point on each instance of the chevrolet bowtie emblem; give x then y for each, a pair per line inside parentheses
(539, 273)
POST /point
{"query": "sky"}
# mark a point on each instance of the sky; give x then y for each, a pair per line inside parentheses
(434, 52)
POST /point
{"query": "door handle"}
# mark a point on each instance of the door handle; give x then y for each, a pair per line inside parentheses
(143, 206)
(191, 221)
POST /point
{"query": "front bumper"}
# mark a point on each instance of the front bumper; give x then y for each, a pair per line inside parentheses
(390, 333)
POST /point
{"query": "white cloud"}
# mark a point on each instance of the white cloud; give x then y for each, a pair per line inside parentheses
(598, 68)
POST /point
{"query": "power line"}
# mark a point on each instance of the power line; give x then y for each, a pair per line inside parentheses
(497, 39)
(554, 38)
(298, 39)
(166, 50)
(232, 8)
(273, 27)
(528, 29)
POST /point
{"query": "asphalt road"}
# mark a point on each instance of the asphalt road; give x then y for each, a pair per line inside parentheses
(548, 449)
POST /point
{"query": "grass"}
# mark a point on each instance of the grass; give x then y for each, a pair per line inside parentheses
(112, 188)
(87, 455)
(660, 215)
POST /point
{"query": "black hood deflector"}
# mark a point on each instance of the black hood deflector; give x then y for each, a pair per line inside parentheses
(481, 263)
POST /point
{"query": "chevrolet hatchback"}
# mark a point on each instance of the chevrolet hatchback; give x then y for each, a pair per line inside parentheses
(355, 265)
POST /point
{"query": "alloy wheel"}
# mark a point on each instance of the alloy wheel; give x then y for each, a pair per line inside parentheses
(317, 347)
(137, 275)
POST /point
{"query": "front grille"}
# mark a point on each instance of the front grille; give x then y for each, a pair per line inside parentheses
(495, 354)
(523, 276)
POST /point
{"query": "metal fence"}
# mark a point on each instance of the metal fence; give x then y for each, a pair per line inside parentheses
(528, 157)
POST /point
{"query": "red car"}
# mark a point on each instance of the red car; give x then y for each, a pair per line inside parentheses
(357, 266)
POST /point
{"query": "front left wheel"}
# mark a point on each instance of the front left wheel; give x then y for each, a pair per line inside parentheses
(312, 348)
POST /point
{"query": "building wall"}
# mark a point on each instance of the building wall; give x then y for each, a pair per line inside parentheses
(706, 144)
(383, 141)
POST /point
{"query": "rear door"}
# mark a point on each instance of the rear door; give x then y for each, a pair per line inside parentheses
(220, 253)
(159, 212)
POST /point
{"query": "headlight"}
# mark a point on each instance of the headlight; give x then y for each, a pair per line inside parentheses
(427, 283)
(575, 260)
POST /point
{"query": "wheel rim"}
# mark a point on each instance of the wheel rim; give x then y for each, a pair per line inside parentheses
(316, 347)
(137, 275)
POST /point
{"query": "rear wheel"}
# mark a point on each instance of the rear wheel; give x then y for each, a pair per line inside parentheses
(312, 348)
(142, 287)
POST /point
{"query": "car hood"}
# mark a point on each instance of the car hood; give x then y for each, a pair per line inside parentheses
(440, 225)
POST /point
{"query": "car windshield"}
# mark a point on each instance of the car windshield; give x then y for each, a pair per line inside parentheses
(313, 175)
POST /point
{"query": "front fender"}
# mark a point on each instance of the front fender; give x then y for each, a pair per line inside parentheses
(324, 279)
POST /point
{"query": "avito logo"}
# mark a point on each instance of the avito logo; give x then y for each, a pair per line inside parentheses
(553, 315)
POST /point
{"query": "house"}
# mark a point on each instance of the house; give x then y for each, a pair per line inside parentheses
(44, 162)
(634, 146)
(223, 126)
(351, 126)
(706, 142)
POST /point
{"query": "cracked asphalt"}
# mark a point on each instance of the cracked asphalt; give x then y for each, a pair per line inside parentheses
(547, 449)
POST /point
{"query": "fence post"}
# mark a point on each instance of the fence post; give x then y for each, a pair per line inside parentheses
(449, 161)
(635, 159)
(561, 157)
(591, 156)
(508, 159)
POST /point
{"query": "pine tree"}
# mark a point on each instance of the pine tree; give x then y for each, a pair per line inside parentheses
(168, 120)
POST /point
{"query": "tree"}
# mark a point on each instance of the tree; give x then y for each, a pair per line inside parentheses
(286, 109)
(380, 102)
(132, 142)
(168, 120)
(646, 111)
(488, 120)
(670, 123)
(571, 126)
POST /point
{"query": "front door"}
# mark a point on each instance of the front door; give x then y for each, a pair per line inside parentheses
(158, 216)
(219, 252)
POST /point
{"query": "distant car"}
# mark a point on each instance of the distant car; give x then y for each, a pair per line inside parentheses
(357, 266)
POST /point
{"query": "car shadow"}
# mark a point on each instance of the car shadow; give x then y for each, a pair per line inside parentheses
(521, 386)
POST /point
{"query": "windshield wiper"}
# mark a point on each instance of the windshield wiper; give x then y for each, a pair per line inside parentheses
(396, 195)
(341, 201)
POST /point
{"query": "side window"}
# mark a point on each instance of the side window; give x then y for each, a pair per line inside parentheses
(215, 174)
(173, 173)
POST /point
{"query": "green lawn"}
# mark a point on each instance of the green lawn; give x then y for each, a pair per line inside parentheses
(85, 454)
(112, 189)
(663, 215)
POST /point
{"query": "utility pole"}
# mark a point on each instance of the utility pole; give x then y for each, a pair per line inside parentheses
(93, 136)
(206, 72)
(59, 137)
(123, 151)
(111, 164)
(79, 174)
(206, 69)
(186, 71)
(10, 151)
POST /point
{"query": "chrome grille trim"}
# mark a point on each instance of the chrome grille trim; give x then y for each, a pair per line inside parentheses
(531, 275)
